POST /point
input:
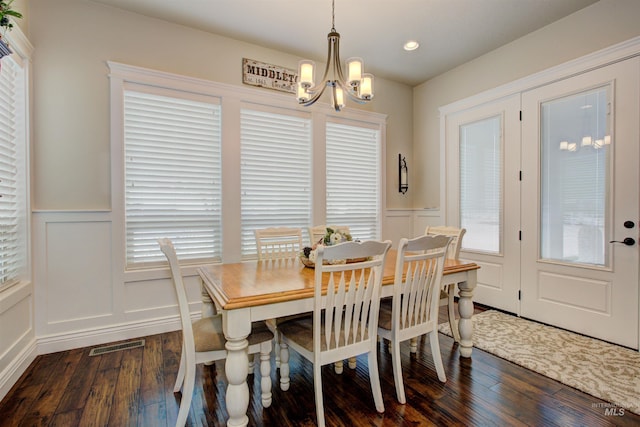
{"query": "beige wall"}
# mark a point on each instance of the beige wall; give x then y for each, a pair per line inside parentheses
(73, 39)
(598, 26)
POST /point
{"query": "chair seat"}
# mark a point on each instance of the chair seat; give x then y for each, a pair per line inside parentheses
(301, 331)
(275, 323)
(259, 333)
(208, 335)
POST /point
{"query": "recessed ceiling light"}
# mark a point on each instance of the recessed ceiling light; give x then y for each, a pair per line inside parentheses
(411, 45)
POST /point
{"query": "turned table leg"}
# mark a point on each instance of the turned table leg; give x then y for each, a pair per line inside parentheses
(465, 308)
(237, 326)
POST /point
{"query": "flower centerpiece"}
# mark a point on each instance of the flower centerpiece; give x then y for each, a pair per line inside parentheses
(6, 24)
(330, 238)
(5, 13)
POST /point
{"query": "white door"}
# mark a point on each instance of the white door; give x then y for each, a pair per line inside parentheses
(483, 195)
(580, 186)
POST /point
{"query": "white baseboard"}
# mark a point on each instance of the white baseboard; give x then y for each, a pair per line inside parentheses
(91, 337)
(17, 367)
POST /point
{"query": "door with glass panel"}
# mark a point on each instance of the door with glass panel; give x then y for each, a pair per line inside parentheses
(483, 196)
(580, 216)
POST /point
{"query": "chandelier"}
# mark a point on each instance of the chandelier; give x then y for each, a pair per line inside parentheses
(358, 86)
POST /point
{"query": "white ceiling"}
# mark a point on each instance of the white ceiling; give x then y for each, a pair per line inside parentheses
(450, 32)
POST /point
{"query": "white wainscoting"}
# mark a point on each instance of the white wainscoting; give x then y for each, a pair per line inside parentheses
(426, 217)
(81, 297)
(17, 336)
(399, 223)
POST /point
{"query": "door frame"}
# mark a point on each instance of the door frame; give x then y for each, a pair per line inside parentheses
(601, 58)
(499, 274)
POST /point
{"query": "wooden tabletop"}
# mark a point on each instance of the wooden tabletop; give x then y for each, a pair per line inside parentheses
(252, 283)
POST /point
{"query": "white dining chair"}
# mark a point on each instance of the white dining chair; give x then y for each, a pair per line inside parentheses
(413, 309)
(447, 295)
(345, 318)
(276, 243)
(203, 341)
(316, 234)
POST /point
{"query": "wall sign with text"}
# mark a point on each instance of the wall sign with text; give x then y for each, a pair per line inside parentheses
(270, 76)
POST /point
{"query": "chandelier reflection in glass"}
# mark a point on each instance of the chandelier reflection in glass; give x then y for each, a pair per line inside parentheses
(358, 86)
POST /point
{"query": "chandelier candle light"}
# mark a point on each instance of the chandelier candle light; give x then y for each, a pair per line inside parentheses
(358, 86)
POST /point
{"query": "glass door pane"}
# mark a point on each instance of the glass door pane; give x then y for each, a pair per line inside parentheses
(576, 145)
(481, 184)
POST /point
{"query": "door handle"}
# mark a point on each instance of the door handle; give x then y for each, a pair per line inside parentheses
(629, 241)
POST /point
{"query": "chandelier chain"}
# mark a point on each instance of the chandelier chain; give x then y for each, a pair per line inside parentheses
(333, 15)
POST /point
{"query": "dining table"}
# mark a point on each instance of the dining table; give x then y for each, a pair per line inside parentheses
(250, 291)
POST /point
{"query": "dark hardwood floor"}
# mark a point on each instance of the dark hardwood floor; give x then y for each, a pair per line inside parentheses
(134, 388)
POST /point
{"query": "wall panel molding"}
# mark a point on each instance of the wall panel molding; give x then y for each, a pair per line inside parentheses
(16, 334)
(82, 298)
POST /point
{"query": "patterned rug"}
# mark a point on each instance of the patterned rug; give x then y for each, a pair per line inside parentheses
(606, 371)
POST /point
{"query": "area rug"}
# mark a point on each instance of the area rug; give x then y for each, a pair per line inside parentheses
(606, 371)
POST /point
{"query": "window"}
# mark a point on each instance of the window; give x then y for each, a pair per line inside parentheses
(481, 184)
(575, 176)
(206, 164)
(275, 172)
(172, 175)
(353, 179)
(13, 181)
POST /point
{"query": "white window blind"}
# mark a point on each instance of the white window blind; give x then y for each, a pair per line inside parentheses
(172, 176)
(575, 177)
(353, 179)
(275, 172)
(13, 256)
(481, 184)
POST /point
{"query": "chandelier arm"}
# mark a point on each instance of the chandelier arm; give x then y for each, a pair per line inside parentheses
(323, 81)
(337, 65)
(315, 97)
(353, 96)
